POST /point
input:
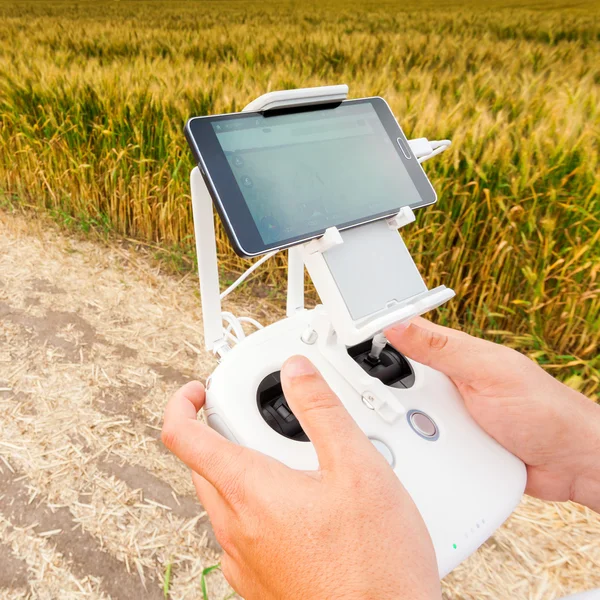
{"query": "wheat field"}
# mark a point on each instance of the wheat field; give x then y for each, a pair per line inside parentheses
(94, 96)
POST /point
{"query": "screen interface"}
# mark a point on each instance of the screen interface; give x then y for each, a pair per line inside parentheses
(304, 172)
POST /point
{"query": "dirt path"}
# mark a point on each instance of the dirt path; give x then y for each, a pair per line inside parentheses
(93, 340)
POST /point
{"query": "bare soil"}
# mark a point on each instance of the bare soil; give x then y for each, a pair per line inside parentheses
(93, 340)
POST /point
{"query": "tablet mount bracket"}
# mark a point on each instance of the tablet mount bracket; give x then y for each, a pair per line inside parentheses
(365, 276)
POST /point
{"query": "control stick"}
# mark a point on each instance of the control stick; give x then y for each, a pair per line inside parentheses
(379, 343)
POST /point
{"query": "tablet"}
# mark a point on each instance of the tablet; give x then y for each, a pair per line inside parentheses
(282, 178)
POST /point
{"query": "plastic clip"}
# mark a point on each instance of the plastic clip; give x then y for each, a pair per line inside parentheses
(404, 217)
(329, 239)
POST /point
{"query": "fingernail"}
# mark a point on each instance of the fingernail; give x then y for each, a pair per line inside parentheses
(298, 366)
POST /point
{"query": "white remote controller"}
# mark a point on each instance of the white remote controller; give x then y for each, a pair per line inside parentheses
(463, 482)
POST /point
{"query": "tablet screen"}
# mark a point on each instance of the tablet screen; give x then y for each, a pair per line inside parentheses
(312, 170)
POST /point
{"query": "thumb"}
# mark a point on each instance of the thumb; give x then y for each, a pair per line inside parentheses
(457, 354)
(323, 417)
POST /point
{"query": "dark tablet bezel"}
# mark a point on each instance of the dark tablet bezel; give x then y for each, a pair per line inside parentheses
(229, 200)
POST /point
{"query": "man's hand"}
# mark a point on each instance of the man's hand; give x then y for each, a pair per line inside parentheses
(349, 530)
(552, 428)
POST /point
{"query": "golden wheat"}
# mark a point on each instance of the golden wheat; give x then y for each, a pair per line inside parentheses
(94, 96)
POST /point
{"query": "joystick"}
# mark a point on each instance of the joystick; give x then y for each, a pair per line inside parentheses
(462, 481)
(275, 410)
(390, 367)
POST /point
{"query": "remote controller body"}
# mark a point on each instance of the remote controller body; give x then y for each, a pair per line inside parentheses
(463, 482)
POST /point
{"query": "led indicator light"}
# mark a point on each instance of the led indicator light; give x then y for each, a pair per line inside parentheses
(454, 546)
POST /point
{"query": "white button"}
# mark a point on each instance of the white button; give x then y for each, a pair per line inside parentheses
(383, 450)
(309, 336)
(423, 424)
(403, 147)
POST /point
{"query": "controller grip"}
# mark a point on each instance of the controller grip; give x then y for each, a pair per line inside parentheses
(214, 421)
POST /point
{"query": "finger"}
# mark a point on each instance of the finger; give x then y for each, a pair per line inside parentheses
(193, 392)
(425, 324)
(202, 449)
(456, 354)
(323, 417)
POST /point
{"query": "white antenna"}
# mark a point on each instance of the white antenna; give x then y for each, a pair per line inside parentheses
(208, 269)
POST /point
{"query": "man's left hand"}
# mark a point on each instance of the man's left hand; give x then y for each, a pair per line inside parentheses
(348, 530)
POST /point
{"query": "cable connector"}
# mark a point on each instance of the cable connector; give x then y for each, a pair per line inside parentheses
(420, 147)
(424, 149)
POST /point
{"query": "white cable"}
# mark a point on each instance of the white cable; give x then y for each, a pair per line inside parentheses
(438, 146)
(245, 275)
(251, 321)
(234, 325)
(231, 338)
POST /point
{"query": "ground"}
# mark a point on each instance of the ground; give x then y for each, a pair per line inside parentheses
(94, 337)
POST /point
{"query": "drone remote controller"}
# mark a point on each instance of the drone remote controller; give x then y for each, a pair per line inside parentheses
(462, 481)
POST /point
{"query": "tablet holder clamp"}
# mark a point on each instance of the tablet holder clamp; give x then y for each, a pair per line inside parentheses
(365, 277)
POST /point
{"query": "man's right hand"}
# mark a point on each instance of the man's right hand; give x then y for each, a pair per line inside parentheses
(552, 428)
